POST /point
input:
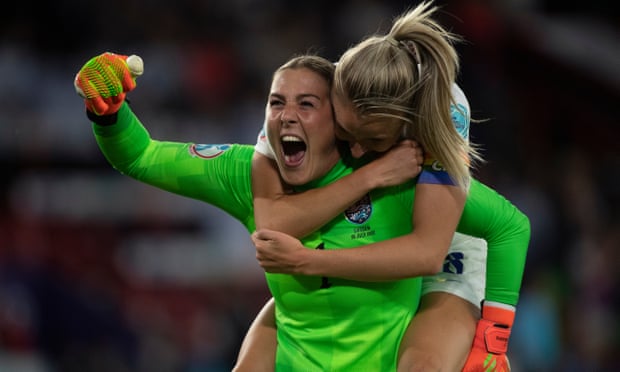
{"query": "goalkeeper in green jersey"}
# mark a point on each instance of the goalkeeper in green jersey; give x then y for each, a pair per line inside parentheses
(323, 323)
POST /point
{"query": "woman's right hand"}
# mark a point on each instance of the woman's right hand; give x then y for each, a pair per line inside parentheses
(396, 166)
(104, 81)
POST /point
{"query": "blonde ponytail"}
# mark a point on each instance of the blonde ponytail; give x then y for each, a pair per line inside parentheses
(408, 75)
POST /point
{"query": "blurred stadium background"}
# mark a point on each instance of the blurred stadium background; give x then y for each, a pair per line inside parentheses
(101, 273)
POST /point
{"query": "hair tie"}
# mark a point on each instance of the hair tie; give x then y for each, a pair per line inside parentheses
(412, 49)
(391, 40)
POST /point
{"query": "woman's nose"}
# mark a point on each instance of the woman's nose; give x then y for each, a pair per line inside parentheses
(288, 116)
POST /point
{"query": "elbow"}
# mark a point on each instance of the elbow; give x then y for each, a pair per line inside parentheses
(528, 228)
(434, 259)
(431, 266)
(437, 257)
(435, 266)
(524, 232)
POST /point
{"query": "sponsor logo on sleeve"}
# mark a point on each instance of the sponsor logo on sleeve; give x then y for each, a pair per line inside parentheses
(208, 151)
(461, 122)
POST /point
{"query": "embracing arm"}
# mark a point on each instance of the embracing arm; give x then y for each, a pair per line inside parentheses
(276, 209)
(421, 252)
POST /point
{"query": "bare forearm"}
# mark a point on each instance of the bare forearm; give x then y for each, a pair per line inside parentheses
(300, 214)
(404, 257)
(303, 213)
(422, 252)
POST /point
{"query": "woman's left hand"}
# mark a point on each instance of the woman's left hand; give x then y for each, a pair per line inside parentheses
(278, 252)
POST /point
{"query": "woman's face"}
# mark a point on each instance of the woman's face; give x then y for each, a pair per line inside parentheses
(300, 125)
(364, 134)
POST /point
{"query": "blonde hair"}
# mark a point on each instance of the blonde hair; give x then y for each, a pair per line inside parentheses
(406, 77)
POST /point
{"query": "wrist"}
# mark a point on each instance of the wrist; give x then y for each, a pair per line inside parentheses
(363, 177)
(494, 327)
(103, 120)
(499, 313)
(312, 262)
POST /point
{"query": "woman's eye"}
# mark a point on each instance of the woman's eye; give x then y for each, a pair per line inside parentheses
(307, 103)
(275, 102)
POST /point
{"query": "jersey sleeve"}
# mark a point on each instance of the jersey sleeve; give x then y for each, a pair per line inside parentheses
(218, 174)
(490, 216)
(461, 115)
(432, 170)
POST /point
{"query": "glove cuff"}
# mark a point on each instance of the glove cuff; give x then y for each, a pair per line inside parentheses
(498, 313)
(499, 318)
(103, 120)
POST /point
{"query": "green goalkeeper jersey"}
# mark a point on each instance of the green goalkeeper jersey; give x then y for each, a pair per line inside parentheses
(324, 324)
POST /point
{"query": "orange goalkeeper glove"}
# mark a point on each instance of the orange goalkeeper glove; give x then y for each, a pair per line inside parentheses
(488, 352)
(105, 79)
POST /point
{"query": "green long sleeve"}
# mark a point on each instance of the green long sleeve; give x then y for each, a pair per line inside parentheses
(490, 216)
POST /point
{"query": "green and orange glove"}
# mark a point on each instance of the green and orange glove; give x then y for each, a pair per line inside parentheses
(488, 352)
(104, 81)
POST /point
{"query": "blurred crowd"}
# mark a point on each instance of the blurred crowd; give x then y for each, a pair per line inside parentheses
(101, 273)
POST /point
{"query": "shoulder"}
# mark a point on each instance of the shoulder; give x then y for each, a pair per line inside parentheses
(460, 112)
(459, 97)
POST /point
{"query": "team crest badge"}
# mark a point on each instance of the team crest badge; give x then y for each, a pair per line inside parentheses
(359, 212)
(208, 151)
(459, 120)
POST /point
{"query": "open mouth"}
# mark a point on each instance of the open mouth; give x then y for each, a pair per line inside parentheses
(294, 149)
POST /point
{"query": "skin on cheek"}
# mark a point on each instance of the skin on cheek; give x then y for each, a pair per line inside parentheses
(372, 133)
(346, 117)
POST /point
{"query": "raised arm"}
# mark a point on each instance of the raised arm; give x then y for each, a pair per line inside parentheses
(215, 174)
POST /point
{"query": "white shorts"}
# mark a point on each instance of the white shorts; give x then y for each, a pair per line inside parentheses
(464, 270)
